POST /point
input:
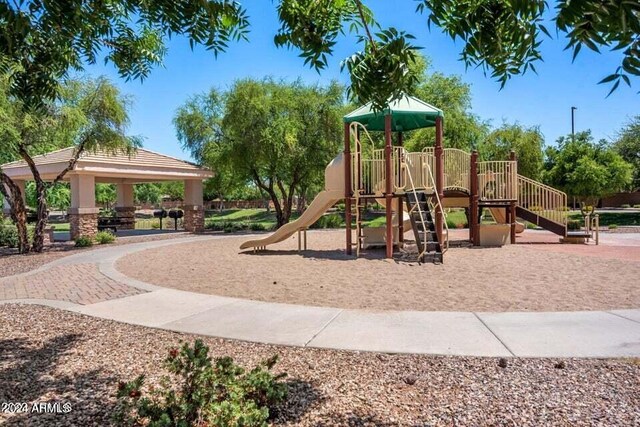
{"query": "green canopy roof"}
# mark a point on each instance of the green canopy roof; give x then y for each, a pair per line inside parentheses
(407, 113)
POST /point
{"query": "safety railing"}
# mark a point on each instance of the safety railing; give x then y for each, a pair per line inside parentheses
(498, 180)
(542, 200)
(456, 169)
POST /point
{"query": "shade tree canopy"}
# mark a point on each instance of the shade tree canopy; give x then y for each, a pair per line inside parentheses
(280, 136)
(43, 41)
(627, 144)
(527, 142)
(586, 169)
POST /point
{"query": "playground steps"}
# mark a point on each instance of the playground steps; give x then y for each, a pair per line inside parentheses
(423, 224)
(547, 224)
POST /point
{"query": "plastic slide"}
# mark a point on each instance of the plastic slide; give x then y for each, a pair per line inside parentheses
(333, 192)
(323, 201)
(500, 215)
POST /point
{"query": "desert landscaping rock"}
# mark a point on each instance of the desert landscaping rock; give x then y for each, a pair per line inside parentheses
(53, 355)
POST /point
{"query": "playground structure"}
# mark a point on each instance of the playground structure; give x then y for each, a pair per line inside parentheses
(423, 185)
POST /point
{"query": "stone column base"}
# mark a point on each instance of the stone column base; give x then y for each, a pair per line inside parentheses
(83, 224)
(127, 216)
(193, 218)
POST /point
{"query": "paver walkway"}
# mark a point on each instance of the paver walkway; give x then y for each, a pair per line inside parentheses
(77, 283)
(88, 283)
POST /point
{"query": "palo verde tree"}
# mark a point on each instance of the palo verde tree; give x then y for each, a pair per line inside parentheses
(278, 135)
(526, 142)
(89, 115)
(585, 169)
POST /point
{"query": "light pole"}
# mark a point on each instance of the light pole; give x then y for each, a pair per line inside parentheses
(573, 124)
(573, 139)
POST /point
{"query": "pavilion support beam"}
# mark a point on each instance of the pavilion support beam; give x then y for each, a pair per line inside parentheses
(439, 160)
(83, 213)
(193, 206)
(389, 178)
(125, 207)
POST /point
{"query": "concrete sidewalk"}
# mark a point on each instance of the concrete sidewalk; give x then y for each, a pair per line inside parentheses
(522, 334)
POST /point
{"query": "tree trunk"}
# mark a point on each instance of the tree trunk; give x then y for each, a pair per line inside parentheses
(42, 215)
(13, 194)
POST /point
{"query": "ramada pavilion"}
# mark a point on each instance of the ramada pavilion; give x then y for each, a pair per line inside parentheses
(122, 169)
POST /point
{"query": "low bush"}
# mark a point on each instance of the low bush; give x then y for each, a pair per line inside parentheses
(574, 225)
(105, 237)
(202, 392)
(83, 242)
(612, 226)
(636, 206)
(625, 206)
(8, 235)
(329, 221)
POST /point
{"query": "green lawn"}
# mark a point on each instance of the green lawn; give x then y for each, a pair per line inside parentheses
(609, 218)
(260, 219)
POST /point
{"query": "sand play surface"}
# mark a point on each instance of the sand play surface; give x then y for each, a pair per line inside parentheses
(513, 278)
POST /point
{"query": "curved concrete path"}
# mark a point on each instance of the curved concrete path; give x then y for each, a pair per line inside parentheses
(613, 333)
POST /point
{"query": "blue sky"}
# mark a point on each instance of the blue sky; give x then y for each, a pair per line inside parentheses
(544, 99)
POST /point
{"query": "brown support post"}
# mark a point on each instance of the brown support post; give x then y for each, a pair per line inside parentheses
(439, 160)
(347, 186)
(474, 199)
(512, 204)
(400, 209)
(388, 184)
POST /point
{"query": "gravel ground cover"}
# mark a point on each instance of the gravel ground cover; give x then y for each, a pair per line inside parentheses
(13, 263)
(57, 356)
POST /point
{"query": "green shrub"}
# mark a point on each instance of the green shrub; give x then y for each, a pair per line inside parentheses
(535, 208)
(625, 206)
(105, 237)
(83, 242)
(636, 206)
(202, 392)
(612, 226)
(574, 225)
(9, 235)
(328, 221)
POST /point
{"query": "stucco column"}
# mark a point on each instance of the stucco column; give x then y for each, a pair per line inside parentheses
(125, 208)
(6, 207)
(83, 214)
(193, 206)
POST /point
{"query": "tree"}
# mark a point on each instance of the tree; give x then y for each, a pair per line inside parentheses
(585, 169)
(147, 193)
(44, 40)
(526, 142)
(58, 196)
(462, 128)
(106, 194)
(90, 115)
(504, 38)
(628, 146)
(278, 135)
